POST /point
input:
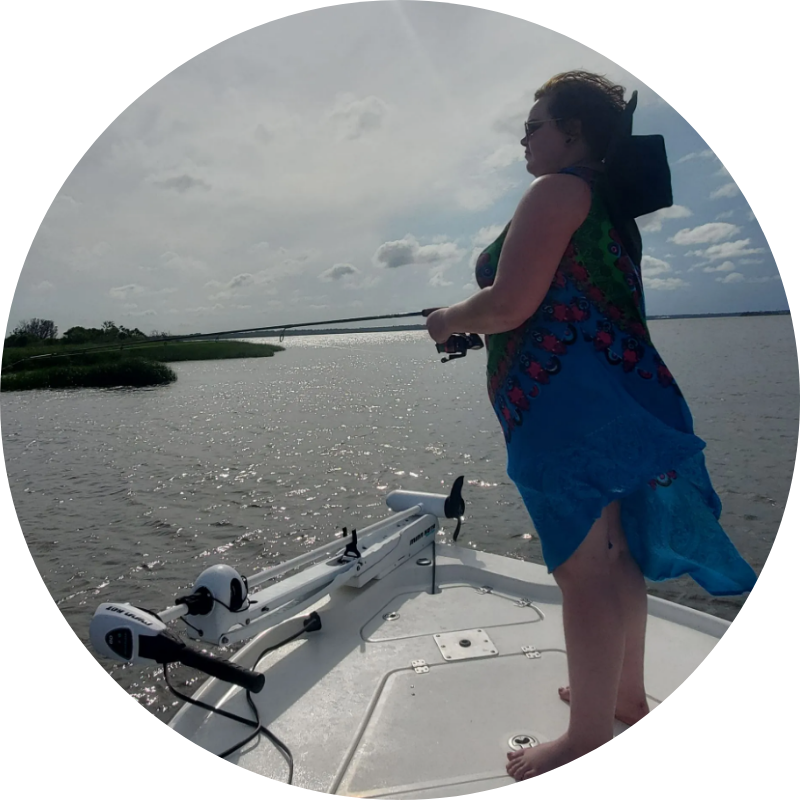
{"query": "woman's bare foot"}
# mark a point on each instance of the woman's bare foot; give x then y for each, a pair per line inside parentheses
(533, 761)
(629, 712)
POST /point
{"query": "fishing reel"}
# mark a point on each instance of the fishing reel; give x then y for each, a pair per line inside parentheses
(458, 344)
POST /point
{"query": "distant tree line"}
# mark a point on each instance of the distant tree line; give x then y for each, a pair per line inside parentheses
(33, 332)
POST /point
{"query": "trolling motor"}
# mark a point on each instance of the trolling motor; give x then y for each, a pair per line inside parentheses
(458, 344)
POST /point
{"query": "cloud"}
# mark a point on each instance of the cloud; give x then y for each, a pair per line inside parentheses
(703, 234)
(654, 266)
(727, 190)
(229, 288)
(664, 284)
(485, 236)
(65, 201)
(408, 252)
(199, 309)
(259, 249)
(437, 279)
(764, 279)
(725, 250)
(339, 271)
(183, 183)
(734, 277)
(43, 287)
(122, 292)
(725, 266)
(354, 117)
(725, 214)
(245, 279)
(180, 263)
(654, 222)
(505, 156)
(250, 154)
(693, 156)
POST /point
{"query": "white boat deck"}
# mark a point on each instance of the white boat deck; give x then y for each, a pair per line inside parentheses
(361, 721)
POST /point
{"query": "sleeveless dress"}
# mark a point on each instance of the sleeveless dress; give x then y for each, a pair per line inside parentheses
(591, 414)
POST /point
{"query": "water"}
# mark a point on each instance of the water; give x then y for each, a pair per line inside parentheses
(128, 495)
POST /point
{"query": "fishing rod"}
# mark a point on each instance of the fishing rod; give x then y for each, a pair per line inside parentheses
(456, 346)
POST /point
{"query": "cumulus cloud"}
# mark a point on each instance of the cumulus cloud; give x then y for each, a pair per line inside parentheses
(655, 221)
(245, 279)
(505, 156)
(437, 279)
(727, 190)
(123, 292)
(665, 284)
(408, 252)
(259, 249)
(339, 271)
(704, 234)
(726, 250)
(353, 117)
(485, 236)
(173, 261)
(223, 290)
(734, 277)
(725, 266)
(693, 156)
(183, 183)
(654, 266)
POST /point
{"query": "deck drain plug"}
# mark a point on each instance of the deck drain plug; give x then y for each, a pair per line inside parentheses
(391, 616)
(522, 741)
(424, 562)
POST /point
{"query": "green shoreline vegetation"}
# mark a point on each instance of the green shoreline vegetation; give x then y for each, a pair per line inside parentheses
(106, 357)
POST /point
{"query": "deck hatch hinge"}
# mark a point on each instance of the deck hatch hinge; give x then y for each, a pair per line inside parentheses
(522, 602)
(419, 666)
(530, 651)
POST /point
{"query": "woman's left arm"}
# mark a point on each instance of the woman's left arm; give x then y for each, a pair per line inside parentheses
(551, 210)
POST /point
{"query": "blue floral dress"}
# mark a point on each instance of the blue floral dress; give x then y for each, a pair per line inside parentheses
(591, 414)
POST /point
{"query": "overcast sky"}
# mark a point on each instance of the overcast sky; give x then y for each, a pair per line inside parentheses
(352, 161)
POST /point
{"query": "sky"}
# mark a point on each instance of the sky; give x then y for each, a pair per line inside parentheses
(353, 161)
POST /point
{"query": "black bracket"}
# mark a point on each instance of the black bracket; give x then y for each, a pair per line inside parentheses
(351, 551)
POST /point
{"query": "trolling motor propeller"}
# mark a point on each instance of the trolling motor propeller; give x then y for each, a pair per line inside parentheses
(454, 506)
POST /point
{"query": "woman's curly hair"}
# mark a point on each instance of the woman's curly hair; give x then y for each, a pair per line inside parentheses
(590, 98)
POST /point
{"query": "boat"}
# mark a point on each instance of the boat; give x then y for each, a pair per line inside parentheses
(366, 659)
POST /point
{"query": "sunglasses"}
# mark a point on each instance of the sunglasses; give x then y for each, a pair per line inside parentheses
(532, 127)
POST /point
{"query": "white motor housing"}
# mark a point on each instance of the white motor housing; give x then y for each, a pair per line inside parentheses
(401, 500)
(227, 592)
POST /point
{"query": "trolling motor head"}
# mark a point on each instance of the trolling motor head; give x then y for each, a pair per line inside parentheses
(123, 632)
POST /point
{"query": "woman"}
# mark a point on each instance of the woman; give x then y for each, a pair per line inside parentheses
(600, 440)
